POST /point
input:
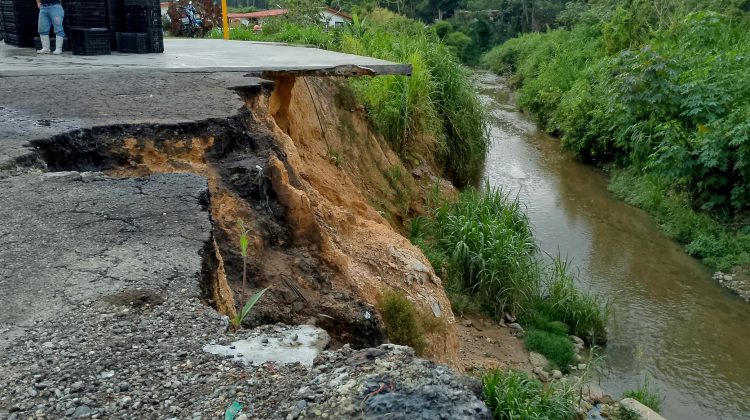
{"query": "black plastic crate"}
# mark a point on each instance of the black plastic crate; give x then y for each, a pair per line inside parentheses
(131, 42)
(19, 41)
(20, 28)
(144, 3)
(142, 11)
(156, 40)
(91, 41)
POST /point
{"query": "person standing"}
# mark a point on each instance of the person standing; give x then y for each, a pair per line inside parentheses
(51, 14)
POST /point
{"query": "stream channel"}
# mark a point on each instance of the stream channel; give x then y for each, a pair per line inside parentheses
(671, 322)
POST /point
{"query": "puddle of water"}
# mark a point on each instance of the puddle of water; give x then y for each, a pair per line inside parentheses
(671, 321)
(300, 344)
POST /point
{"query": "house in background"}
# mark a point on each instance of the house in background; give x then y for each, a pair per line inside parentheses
(254, 18)
(332, 17)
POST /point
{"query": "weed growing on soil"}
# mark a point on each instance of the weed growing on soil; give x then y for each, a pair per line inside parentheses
(402, 321)
(514, 395)
(646, 394)
(242, 314)
(557, 348)
(244, 242)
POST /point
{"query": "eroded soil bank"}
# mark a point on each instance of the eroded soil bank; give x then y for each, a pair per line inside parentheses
(315, 237)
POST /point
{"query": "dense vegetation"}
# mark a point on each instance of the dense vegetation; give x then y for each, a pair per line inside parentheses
(471, 27)
(435, 114)
(483, 248)
(661, 89)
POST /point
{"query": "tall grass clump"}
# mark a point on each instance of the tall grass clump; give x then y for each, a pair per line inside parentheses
(434, 114)
(646, 394)
(663, 93)
(560, 300)
(490, 249)
(514, 395)
(483, 247)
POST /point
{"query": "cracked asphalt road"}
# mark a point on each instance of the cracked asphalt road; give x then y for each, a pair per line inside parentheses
(67, 237)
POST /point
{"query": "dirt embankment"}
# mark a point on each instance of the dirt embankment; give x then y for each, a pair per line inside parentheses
(333, 171)
(323, 196)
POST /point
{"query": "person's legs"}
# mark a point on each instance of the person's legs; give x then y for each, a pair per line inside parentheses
(44, 25)
(57, 14)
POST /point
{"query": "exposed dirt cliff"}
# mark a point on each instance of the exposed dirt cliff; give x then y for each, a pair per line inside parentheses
(323, 195)
(331, 170)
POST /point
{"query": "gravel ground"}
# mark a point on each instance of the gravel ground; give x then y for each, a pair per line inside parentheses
(138, 354)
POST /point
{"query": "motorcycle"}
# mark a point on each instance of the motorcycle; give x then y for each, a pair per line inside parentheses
(191, 23)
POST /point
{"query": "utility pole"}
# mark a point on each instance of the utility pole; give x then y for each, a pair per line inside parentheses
(224, 19)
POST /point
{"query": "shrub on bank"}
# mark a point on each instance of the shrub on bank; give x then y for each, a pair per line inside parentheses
(514, 395)
(557, 348)
(483, 247)
(401, 321)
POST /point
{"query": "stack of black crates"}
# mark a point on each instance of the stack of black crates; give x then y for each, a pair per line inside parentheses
(20, 19)
(94, 27)
(142, 24)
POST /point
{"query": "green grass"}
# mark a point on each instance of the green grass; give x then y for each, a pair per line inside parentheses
(646, 394)
(483, 248)
(490, 249)
(401, 320)
(513, 396)
(558, 349)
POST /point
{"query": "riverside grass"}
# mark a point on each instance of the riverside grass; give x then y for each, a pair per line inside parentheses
(434, 114)
(514, 395)
(483, 247)
(646, 394)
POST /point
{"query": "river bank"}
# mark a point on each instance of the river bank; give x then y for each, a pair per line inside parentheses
(671, 322)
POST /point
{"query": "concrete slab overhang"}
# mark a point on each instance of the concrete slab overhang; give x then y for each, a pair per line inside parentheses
(203, 55)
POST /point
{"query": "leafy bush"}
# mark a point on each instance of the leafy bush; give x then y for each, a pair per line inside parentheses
(557, 348)
(513, 395)
(401, 321)
(646, 395)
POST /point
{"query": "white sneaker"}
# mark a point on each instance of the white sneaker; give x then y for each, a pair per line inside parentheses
(45, 45)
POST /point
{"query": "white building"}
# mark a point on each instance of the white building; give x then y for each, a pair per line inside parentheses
(333, 17)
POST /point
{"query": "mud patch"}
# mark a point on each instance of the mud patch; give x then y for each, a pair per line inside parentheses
(136, 298)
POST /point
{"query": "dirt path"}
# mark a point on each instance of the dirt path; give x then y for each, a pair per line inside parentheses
(485, 345)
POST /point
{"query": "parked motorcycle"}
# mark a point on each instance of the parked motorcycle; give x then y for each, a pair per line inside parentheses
(191, 23)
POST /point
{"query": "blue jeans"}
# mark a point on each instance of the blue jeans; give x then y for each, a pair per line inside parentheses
(51, 16)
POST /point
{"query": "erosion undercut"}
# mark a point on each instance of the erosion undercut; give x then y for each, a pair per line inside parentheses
(303, 172)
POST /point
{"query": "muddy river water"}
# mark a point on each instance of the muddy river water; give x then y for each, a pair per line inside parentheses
(671, 322)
